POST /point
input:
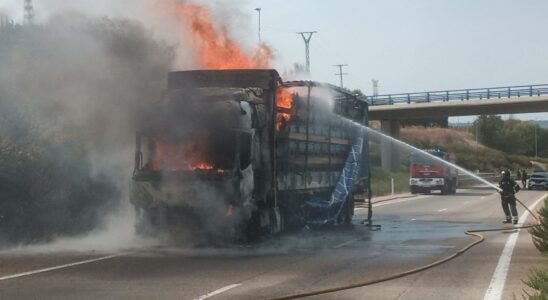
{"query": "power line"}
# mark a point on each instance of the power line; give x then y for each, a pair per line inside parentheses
(340, 74)
(306, 40)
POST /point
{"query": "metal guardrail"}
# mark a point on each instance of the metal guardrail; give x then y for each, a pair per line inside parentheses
(461, 95)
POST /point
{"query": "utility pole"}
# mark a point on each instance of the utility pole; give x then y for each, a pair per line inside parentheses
(307, 35)
(375, 83)
(258, 9)
(29, 12)
(340, 74)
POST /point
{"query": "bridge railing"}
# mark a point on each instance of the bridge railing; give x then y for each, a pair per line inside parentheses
(461, 95)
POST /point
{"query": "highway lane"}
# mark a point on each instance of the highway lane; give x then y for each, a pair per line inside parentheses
(414, 231)
(468, 276)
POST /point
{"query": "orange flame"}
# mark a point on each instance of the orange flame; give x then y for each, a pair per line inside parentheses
(215, 48)
(173, 156)
(200, 166)
(284, 101)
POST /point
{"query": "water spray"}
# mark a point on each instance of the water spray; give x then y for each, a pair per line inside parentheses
(370, 130)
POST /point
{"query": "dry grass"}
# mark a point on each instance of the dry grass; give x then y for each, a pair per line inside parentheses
(444, 137)
(463, 145)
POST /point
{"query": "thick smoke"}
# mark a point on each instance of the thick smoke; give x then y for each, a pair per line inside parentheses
(74, 88)
(72, 92)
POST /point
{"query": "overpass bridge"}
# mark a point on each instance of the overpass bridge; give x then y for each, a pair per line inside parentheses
(390, 109)
(439, 104)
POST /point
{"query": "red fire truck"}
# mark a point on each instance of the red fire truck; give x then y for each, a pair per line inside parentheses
(427, 173)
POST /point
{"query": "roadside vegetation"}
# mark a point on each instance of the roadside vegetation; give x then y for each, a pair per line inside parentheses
(513, 137)
(381, 181)
(490, 145)
(468, 153)
(538, 280)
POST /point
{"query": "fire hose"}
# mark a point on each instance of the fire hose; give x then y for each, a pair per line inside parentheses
(475, 233)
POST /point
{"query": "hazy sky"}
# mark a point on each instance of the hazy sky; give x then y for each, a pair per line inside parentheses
(414, 46)
(409, 46)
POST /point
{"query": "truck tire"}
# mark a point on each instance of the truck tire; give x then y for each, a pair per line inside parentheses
(146, 223)
(413, 190)
(248, 230)
(454, 187)
(446, 189)
(277, 221)
(348, 212)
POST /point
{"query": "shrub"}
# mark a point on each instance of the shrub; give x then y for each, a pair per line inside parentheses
(538, 281)
(540, 233)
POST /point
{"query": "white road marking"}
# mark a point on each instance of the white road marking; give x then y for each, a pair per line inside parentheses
(483, 197)
(58, 267)
(346, 243)
(466, 202)
(443, 209)
(496, 287)
(413, 219)
(217, 292)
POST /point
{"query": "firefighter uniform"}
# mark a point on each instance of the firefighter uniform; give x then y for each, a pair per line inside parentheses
(508, 199)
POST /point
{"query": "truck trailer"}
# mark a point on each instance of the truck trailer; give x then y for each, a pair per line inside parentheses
(242, 154)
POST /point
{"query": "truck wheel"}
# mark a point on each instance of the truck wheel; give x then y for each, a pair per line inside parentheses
(145, 223)
(449, 188)
(348, 212)
(248, 230)
(445, 189)
(413, 190)
(277, 221)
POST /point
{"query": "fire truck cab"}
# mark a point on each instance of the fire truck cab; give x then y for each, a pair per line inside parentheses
(427, 174)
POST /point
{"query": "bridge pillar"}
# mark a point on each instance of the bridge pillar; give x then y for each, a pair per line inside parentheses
(390, 152)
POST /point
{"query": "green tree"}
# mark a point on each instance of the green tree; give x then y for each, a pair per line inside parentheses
(358, 92)
(488, 130)
(538, 280)
(518, 137)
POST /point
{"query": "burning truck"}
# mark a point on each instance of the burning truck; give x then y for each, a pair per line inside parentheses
(244, 154)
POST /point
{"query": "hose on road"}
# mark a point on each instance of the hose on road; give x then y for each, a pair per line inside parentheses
(475, 233)
(530, 212)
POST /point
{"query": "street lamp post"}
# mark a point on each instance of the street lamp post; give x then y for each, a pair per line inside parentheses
(536, 141)
(258, 9)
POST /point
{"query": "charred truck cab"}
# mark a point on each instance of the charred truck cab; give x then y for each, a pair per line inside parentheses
(243, 154)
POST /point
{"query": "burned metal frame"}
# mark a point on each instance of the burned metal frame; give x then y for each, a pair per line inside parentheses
(350, 106)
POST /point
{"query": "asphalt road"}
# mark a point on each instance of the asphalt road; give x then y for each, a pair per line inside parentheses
(415, 231)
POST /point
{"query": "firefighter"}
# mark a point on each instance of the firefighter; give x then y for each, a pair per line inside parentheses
(508, 199)
(524, 178)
